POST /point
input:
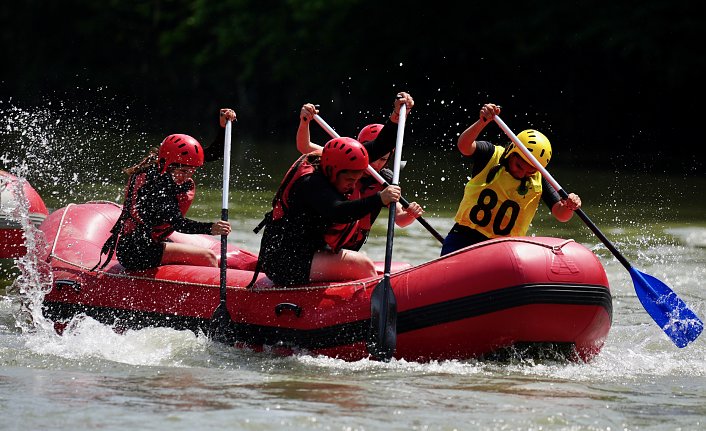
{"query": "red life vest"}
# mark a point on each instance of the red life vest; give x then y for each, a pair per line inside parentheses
(130, 218)
(160, 232)
(365, 224)
(339, 234)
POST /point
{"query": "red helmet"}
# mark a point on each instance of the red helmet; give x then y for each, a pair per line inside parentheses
(369, 132)
(180, 149)
(343, 154)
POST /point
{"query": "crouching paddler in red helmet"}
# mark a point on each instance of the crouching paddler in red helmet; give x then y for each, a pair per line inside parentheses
(159, 192)
(317, 208)
(367, 185)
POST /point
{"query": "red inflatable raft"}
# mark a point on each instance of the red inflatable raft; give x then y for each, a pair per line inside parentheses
(511, 293)
(12, 193)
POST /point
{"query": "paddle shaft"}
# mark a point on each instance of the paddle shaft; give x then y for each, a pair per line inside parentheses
(562, 193)
(224, 210)
(383, 303)
(375, 174)
(405, 204)
(395, 181)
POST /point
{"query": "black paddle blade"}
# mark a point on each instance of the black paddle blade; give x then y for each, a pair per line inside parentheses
(676, 319)
(382, 340)
(221, 327)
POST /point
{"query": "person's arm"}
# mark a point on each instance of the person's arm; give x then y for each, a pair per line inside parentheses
(406, 216)
(158, 204)
(562, 209)
(187, 225)
(215, 150)
(481, 156)
(304, 144)
(383, 143)
(467, 140)
(386, 139)
(317, 193)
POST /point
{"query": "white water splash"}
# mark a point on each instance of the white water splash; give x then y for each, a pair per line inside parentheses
(86, 339)
(53, 146)
(35, 278)
(63, 148)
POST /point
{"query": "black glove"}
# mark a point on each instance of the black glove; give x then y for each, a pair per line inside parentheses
(386, 174)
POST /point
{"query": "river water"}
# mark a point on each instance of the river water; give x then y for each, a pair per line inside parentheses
(163, 379)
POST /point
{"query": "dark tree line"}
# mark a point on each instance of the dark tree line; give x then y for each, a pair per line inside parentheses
(617, 80)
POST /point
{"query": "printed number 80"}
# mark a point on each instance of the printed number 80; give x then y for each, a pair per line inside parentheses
(482, 212)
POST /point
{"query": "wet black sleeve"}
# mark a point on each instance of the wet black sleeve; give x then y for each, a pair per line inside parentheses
(549, 195)
(383, 143)
(215, 150)
(158, 204)
(317, 193)
(186, 225)
(386, 175)
(481, 156)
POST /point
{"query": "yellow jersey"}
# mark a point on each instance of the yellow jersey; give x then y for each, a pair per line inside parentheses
(499, 207)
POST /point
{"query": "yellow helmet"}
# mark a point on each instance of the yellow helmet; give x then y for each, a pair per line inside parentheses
(536, 143)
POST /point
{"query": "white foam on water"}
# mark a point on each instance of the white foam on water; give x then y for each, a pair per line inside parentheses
(690, 236)
(86, 339)
(453, 367)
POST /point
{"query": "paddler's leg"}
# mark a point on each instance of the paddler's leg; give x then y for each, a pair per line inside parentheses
(460, 237)
(187, 254)
(344, 265)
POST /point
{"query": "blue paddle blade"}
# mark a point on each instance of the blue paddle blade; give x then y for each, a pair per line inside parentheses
(672, 314)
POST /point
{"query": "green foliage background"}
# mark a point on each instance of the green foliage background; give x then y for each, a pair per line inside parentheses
(612, 81)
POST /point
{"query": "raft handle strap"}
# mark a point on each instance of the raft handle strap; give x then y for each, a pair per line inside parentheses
(265, 221)
(288, 306)
(111, 244)
(258, 269)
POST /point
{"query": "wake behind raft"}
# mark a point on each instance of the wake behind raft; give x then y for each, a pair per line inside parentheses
(497, 295)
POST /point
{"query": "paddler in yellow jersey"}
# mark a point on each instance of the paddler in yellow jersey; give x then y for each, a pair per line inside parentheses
(504, 191)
